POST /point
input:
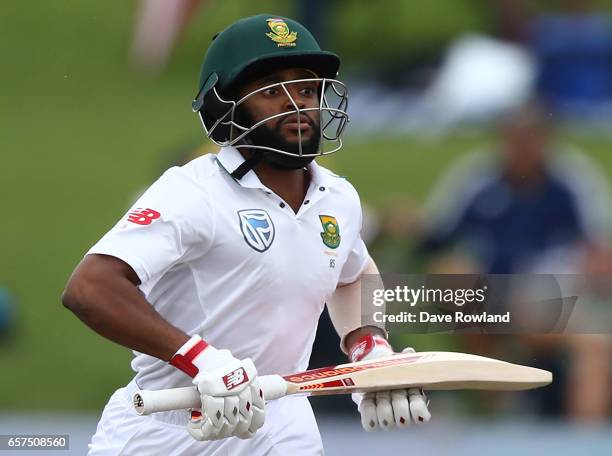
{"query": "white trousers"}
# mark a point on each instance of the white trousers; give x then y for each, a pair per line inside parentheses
(290, 429)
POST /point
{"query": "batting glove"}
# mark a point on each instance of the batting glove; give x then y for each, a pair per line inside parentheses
(232, 400)
(387, 409)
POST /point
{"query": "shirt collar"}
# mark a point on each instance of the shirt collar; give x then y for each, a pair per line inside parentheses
(230, 158)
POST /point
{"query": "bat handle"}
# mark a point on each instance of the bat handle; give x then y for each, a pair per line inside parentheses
(148, 401)
(273, 386)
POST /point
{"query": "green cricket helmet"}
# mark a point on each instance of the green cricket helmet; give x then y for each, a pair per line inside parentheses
(252, 48)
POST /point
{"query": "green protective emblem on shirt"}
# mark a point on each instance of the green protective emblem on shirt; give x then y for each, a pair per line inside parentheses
(331, 231)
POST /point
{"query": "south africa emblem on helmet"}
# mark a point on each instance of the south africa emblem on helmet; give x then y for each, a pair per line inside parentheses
(257, 228)
(281, 34)
(331, 231)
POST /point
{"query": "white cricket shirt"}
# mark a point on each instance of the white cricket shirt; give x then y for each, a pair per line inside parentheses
(229, 260)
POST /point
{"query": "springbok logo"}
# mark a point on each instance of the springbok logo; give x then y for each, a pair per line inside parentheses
(257, 228)
(281, 34)
(331, 231)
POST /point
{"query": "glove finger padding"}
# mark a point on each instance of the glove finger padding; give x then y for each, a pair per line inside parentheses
(258, 406)
(231, 411)
(213, 408)
(367, 408)
(388, 409)
(245, 411)
(246, 430)
(194, 426)
(214, 422)
(384, 410)
(232, 401)
(418, 405)
(401, 408)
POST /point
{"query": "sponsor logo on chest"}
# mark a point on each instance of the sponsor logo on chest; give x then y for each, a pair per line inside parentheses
(257, 228)
(258, 231)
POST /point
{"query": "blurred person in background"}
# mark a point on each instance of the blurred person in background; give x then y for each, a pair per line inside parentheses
(571, 43)
(573, 48)
(533, 206)
(509, 209)
(159, 25)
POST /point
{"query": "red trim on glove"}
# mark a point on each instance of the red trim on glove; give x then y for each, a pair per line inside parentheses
(184, 362)
(365, 345)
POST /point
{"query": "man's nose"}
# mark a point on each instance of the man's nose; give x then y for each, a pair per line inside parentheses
(297, 99)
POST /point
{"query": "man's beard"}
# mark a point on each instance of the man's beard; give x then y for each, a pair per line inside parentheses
(273, 138)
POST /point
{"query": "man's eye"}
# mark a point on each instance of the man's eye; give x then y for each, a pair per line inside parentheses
(308, 91)
(270, 92)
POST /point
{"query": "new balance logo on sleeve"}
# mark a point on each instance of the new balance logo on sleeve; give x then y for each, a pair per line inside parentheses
(141, 216)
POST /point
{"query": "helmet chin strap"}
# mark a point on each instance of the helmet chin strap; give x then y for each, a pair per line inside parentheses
(247, 165)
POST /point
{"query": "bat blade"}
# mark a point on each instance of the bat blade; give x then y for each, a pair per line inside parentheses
(430, 370)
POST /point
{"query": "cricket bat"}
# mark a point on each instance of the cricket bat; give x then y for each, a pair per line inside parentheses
(428, 370)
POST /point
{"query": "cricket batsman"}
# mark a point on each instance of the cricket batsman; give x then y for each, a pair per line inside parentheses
(219, 272)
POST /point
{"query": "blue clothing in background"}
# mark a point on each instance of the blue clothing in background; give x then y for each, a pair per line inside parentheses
(574, 53)
(506, 229)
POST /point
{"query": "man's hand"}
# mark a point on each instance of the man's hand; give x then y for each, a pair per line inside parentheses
(232, 400)
(386, 409)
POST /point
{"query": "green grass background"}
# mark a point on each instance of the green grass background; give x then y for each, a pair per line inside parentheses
(80, 133)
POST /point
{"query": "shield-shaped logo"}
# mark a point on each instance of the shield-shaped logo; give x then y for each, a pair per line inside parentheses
(331, 231)
(257, 228)
(281, 34)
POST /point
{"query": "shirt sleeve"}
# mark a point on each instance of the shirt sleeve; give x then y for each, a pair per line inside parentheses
(172, 222)
(358, 258)
(357, 261)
